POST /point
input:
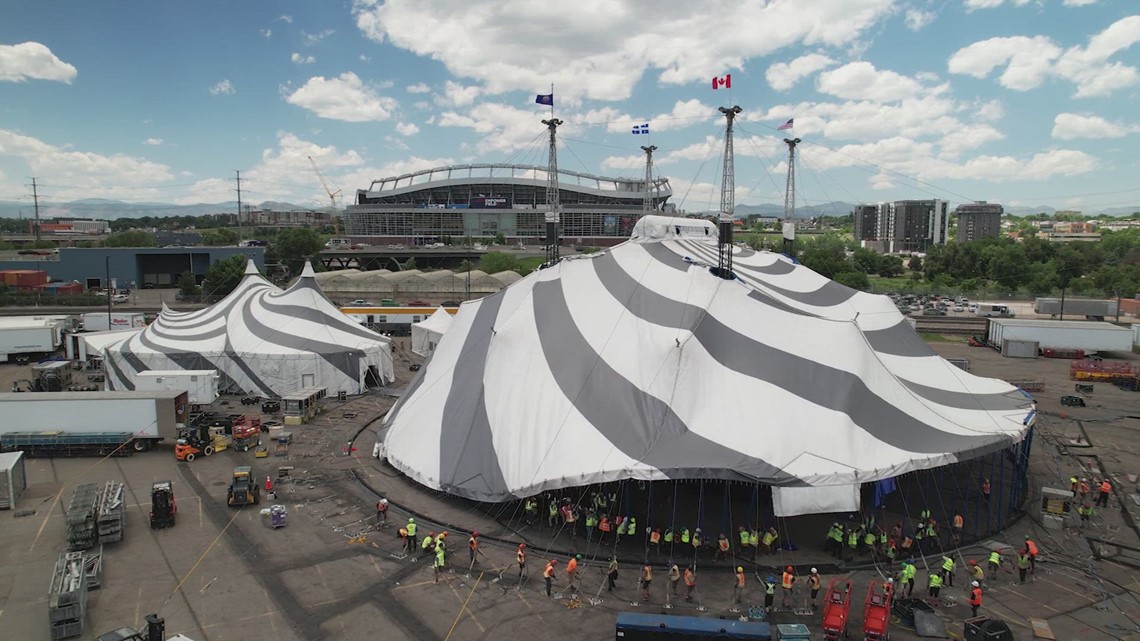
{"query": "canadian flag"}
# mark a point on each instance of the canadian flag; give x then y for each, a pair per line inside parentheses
(725, 82)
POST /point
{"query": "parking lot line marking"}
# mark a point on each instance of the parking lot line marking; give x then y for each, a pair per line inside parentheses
(1009, 590)
(467, 609)
(243, 619)
(459, 615)
(138, 603)
(47, 516)
(1068, 589)
(416, 585)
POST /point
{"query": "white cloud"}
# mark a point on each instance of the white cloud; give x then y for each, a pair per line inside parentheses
(601, 48)
(685, 113)
(784, 75)
(344, 97)
(302, 60)
(223, 87)
(153, 141)
(363, 58)
(33, 61)
(1030, 60)
(419, 87)
(457, 95)
(285, 168)
(1079, 3)
(267, 33)
(862, 81)
(1068, 126)
(395, 142)
(624, 163)
(967, 138)
(407, 129)
(916, 19)
(972, 5)
(311, 39)
(286, 18)
(990, 110)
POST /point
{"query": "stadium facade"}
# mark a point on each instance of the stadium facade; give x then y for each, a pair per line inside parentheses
(480, 201)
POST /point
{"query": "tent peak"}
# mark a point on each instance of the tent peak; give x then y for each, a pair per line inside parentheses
(307, 270)
(251, 268)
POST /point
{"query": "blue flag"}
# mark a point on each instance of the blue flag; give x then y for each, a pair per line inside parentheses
(641, 129)
(545, 99)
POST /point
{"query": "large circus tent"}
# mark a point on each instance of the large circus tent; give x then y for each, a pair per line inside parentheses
(639, 363)
(262, 340)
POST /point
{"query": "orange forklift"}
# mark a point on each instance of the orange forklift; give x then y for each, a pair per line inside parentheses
(193, 440)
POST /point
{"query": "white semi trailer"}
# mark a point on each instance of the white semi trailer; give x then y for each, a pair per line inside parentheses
(200, 384)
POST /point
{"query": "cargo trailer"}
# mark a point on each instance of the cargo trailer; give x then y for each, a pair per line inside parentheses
(1084, 336)
(27, 343)
(102, 321)
(1092, 309)
(13, 479)
(200, 384)
(149, 417)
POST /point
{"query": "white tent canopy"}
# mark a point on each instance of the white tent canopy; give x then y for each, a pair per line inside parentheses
(639, 363)
(426, 334)
(262, 340)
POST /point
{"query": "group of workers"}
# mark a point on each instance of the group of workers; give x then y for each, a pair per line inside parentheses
(1082, 490)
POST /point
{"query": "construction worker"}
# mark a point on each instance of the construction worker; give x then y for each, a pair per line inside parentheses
(1105, 490)
(685, 537)
(622, 527)
(612, 574)
(986, 490)
(769, 593)
(892, 550)
(572, 573)
(975, 598)
(919, 536)
(569, 515)
(956, 529)
(906, 545)
(948, 570)
(924, 515)
(934, 585)
(697, 542)
(674, 577)
(835, 540)
(668, 538)
(742, 534)
(1073, 483)
(869, 539)
(1083, 489)
(428, 545)
(591, 524)
(411, 528)
(655, 541)
(548, 575)
(690, 583)
(631, 527)
(852, 542)
(888, 589)
(1086, 512)
(754, 540)
(995, 564)
(381, 512)
(530, 508)
(1031, 550)
(473, 546)
(405, 540)
(788, 583)
(551, 510)
(769, 540)
(814, 581)
(646, 580)
(738, 586)
(721, 547)
(881, 544)
(604, 526)
(520, 558)
(440, 561)
(907, 576)
(1023, 561)
(976, 571)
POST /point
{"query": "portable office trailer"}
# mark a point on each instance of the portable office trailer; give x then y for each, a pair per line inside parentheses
(200, 384)
(52, 376)
(1089, 336)
(13, 479)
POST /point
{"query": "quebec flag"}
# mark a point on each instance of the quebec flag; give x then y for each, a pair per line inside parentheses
(641, 129)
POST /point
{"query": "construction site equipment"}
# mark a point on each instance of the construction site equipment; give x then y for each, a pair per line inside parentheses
(68, 444)
(155, 631)
(905, 610)
(246, 436)
(876, 613)
(278, 516)
(81, 528)
(13, 479)
(67, 596)
(1029, 385)
(243, 489)
(262, 451)
(163, 509)
(332, 197)
(986, 629)
(193, 441)
(1072, 401)
(93, 568)
(110, 515)
(836, 609)
(282, 446)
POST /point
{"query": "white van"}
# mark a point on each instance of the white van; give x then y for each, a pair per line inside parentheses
(993, 310)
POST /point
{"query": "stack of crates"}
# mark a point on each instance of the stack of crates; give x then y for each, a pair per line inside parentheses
(67, 597)
(93, 568)
(81, 530)
(109, 513)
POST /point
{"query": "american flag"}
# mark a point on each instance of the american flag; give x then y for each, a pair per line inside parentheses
(786, 126)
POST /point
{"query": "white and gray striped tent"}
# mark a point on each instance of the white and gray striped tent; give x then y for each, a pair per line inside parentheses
(262, 341)
(638, 363)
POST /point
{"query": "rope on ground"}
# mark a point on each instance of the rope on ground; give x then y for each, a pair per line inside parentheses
(463, 608)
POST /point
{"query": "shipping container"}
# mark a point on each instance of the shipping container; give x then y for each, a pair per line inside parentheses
(149, 416)
(1087, 307)
(200, 384)
(102, 321)
(1088, 336)
(27, 342)
(13, 479)
(1019, 349)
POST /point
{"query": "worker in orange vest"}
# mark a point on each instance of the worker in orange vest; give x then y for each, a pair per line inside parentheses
(520, 556)
(690, 583)
(814, 582)
(738, 587)
(1031, 550)
(986, 490)
(655, 541)
(473, 546)
(721, 547)
(788, 582)
(548, 574)
(956, 528)
(572, 573)
(1105, 490)
(604, 526)
(975, 598)
(646, 580)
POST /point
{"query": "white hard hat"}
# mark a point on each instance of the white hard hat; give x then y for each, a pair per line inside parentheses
(813, 570)
(384, 501)
(976, 584)
(891, 580)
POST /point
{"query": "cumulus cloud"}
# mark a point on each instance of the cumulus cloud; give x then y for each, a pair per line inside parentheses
(623, 163)
(266, 33)
(344, 97)
(1079, 3)
(419, 87)
(223, 87)
(153, 141)
(784, 75)
(302, 60)
(311, 39)
(602, 48)
(862, 81)
(33, 61)
(457, 95)
(1069, 126)
(1029, 61)
(916, 19)
(972, 5)
(685, 113)
(407, 129)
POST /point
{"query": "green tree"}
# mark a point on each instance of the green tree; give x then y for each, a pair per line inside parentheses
(220, 237)
(43, 244)
(854, 280)
(464, 266)
(187, 285)
(295, 245)
(494, 262)
(500, 239)
(914, 264)
(132, 238)
(408, 265)
(223, 276)
(826, 254)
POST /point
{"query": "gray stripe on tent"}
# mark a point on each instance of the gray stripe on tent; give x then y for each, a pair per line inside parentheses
(778, 268)
(254, 379)
(130, 357)
(899, 339)
(831, 294)
(666, 256)
(468, 463)
(214, 333)
(639, 424)
(967, 401)
(761, 297)
(127, 383)
(223, 311)
(193, 360)
(320, 318)
(339, 357)
(814, 382)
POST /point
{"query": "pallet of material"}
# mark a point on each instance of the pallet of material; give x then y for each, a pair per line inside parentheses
(81, 529)
(93, 568)
(1029, 385)
(67, 596)
(109, 511)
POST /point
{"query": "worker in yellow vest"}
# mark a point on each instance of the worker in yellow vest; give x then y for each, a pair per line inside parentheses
(948, 571)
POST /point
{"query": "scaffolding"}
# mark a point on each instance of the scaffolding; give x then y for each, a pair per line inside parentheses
(81, 527)
(110, 514)
(67, 596)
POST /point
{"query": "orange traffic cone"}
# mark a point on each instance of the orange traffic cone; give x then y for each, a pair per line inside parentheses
(268, 484)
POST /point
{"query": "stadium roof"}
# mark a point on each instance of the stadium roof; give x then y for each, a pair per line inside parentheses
(512, 174)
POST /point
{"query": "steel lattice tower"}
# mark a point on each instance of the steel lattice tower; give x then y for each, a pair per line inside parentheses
(790, 197)
(647, 201)
(727, 198)
(553, 205)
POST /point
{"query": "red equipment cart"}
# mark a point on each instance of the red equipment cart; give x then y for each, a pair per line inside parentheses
(836, 607)
(876, 613)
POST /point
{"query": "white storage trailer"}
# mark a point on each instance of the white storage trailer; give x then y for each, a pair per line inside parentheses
(28, 342)
(13, 479)
(1092, 309)
(200, 384)
(102, 321)
(1089, 336)
(149, 416)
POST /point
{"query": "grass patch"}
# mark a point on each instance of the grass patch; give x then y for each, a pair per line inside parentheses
(931, 337)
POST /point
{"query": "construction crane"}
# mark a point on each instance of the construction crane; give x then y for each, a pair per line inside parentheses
(332, 195)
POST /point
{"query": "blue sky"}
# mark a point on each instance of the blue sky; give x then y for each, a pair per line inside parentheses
(1025, 102)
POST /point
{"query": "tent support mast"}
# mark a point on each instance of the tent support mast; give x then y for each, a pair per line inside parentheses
(727, 199)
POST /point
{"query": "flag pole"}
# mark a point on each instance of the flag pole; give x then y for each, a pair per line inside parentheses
(552, 101)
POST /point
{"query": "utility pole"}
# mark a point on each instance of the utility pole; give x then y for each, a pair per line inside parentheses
(238, 172)
(727, 199)
(789, 226)
(647, 201)
(553, 205)
(107, 290)
(36, 199)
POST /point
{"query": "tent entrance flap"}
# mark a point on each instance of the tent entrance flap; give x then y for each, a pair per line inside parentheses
(796, 501)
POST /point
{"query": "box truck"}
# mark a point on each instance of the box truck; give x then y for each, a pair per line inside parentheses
(71, 419)
(102, 321)
(200, 384)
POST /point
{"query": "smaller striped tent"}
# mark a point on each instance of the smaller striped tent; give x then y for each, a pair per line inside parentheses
(262, 341)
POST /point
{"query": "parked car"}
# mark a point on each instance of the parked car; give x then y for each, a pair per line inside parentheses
(360, 302)
(933, 311)
(418, 303)
(120, 298)
(959, 308)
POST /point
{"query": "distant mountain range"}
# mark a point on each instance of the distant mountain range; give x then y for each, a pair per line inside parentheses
(109, 209)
